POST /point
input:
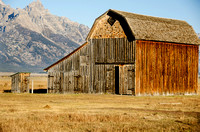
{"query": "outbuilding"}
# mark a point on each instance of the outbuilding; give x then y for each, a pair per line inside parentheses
(127, 53)
(20, 82)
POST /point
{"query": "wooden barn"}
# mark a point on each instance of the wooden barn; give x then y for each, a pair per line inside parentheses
(127, 53)
(20, 82)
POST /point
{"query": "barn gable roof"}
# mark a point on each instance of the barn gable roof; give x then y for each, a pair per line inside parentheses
(142, 27)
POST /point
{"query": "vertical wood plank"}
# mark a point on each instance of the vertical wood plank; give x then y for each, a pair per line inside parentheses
(137, 68)
(146, 59)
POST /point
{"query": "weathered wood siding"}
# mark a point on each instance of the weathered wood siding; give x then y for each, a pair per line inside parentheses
(72, 74)
(109, 53)
(92, 68)
(166, 68)
(114, 51)
(20, 83)
(104, 79)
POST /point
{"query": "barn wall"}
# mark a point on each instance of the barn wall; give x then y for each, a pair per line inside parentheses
(102, 29)
(110, 49)
(72, 74)
(15, 84)
(113, 51)
(24, 82)
(109, 53)
(104, 79)
(91, 69)
(166, 68)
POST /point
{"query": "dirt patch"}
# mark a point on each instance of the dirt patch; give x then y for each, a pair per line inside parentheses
(47, 107)
(12, 110)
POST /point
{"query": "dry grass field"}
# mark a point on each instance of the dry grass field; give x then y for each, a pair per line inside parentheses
(5, 84)
(5, 81)
(98, 113)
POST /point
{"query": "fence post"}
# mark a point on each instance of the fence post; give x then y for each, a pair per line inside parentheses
(32, 87)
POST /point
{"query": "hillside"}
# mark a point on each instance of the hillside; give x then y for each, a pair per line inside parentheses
(32, 38)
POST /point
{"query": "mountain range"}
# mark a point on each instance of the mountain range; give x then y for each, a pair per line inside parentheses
(32, 38)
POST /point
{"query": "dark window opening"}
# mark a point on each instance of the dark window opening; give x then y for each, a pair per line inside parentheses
(7, 91)
(117, 80)
(111, 21)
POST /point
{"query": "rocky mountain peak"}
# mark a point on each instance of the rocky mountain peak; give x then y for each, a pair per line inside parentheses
(32, 38)
(35, 5)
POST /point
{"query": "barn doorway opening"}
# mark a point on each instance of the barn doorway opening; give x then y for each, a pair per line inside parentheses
(116, 79)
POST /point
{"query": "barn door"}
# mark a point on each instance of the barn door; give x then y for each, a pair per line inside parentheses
(57, 83)
(109, 76)
(125, 75)
(77, 88)
(66, 81)
(61, 87)
(50, 83)
(131, 80)
(108, 81)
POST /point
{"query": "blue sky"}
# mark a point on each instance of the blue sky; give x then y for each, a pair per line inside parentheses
(86, 11)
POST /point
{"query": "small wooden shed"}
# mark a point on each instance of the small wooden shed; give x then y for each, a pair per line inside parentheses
(20, 82)
(127, 53)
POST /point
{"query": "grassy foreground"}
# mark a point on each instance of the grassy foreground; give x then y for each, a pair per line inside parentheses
(94, 112)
